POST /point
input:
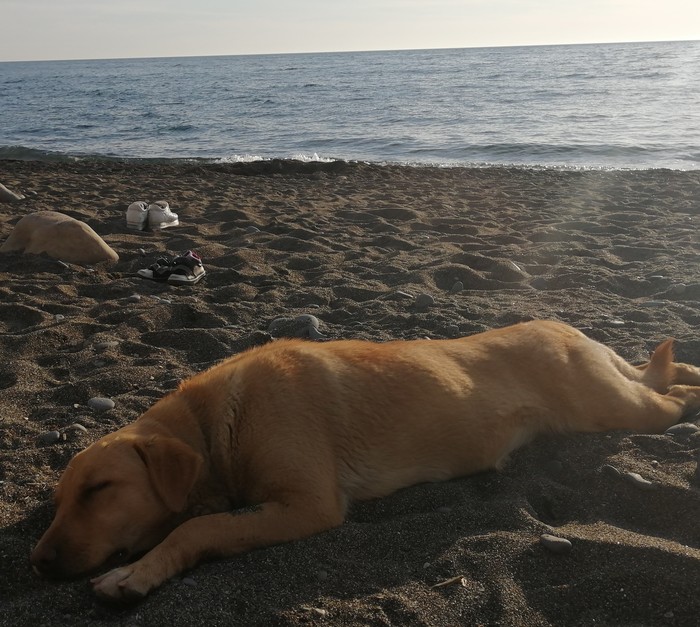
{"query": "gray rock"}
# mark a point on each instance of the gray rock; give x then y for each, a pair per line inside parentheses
(611, 471)
(7, 195)
(101, 404)
(48, 438)
(555, 544)
(303, 326)
(682, 429)
(638, 481)
(457, 287)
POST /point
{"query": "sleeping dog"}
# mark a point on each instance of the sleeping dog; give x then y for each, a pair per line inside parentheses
(295, 430)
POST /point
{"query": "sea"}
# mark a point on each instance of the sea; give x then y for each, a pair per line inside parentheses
(598, 106)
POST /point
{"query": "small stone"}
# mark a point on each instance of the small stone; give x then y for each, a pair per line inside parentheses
(59, 317)
(252, 229)
(101, 404)
(7, 195)
(322, 575)
(638, 481)
(457, 287)
(404, 294)
(63, 264)
(682, 429)
(611, 471)
(444, 509)
(321, 613)
(304, 326)
(188, 581)
(76, 426)
(134, 298)
(555, 544)
(142, 252)
(423, 301)
(48, 438)
(617, 322)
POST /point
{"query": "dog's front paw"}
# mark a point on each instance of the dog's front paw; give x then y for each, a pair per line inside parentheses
(125, 584)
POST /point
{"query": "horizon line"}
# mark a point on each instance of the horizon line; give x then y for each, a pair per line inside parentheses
(349, 51)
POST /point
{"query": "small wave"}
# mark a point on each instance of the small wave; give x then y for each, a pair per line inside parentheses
(22, 153)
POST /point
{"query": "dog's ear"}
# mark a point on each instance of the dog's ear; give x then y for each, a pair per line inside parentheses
(173, 468)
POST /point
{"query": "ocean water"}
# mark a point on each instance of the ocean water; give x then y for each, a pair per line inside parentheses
(582, 106)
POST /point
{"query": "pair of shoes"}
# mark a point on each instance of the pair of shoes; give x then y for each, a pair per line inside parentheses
(156, 215)
(185, 269)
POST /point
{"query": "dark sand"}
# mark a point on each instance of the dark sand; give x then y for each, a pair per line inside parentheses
(615, 254)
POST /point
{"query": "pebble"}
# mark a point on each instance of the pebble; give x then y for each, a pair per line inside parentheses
(7, 195)
(101, 404)
(444, 509)
(321, 613)
(423, 301)
(59, 317)
(63, 264)
(457, 287)
(555, 544)
(404, 294)
(188, 581)
(681, 429)
(617, 322)
(304, 326)
(252, 229)
(638, 481)
(611, 471)
(76, 426)
(134, 298)
(50, 437)
(322, 575)
(677, 288)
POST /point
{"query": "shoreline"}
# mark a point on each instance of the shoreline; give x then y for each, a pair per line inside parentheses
(614, 253)
(9, 154)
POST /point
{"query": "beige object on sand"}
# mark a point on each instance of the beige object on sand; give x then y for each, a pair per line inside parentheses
(7, 195)
(60, 237)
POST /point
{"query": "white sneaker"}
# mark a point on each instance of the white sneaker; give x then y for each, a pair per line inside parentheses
(137, 216)
(160, 216)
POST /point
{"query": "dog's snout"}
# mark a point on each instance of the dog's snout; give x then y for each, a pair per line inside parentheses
(44, 560)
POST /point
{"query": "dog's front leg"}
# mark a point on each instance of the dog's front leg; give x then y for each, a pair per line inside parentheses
(217, 535)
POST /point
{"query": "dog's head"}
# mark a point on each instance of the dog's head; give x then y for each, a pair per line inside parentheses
(117, 498)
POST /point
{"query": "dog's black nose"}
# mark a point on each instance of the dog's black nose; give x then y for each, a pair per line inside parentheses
(44, 560)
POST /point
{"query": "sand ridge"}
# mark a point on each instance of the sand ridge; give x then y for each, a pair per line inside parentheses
(615, 254)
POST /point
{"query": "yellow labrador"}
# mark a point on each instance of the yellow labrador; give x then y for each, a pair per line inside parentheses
(295, 430)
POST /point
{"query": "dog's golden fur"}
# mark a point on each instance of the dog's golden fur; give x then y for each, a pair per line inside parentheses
(298, 429)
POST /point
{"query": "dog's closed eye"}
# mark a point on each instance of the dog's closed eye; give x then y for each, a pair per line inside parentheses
(91, 490)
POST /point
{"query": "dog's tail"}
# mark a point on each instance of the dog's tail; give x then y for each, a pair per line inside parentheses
(659, 372)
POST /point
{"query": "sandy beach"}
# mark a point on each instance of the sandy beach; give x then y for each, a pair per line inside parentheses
(374, 252)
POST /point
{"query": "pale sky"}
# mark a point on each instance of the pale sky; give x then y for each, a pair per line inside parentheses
(96, 29)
